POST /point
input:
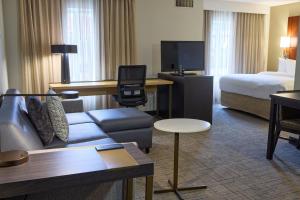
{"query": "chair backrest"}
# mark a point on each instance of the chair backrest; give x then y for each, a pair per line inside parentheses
(132, 74)
(131, 85)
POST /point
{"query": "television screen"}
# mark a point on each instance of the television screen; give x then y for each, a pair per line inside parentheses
(188, 54)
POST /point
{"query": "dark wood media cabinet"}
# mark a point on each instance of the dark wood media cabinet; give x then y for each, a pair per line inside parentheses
(192, 97)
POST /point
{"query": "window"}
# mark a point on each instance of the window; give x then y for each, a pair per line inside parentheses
(81, 26)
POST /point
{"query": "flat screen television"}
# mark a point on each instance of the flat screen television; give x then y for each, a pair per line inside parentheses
(190, 55)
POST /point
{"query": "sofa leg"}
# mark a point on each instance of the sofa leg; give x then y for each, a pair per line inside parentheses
(147, 150)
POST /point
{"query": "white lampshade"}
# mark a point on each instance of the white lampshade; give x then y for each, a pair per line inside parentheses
(285, 42)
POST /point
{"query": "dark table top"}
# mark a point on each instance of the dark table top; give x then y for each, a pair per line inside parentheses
(51, 169)
(288, 95)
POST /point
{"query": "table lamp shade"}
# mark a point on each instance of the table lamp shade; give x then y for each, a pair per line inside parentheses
(63, 48)
(285, 42)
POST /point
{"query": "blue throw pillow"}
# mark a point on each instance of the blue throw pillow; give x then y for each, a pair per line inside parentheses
(38, 114)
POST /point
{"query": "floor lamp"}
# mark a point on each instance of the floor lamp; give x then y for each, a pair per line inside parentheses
(64, 49)
(18, 157)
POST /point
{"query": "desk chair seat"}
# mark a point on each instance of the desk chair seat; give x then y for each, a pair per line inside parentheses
(130, 102)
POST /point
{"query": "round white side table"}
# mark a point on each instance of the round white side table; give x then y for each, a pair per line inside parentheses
(180, 126)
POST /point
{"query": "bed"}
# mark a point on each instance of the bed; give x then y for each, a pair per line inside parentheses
(251, 92)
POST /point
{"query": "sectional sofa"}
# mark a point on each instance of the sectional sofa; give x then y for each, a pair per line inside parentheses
(85, 128)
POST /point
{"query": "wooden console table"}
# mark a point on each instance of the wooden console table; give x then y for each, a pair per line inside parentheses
(82, 166)
(110, 87)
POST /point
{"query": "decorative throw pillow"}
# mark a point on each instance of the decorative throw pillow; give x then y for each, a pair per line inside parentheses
(58, 117)
(38, 114)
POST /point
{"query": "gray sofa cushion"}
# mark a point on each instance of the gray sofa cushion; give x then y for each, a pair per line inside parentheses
(72, 105)
(85, 132)
(80, 134)
(78, 118)
(93, 142)
(143, 137)
(120, 119)
(57, 143)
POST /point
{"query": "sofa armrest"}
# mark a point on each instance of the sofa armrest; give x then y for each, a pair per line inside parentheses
(73, 105)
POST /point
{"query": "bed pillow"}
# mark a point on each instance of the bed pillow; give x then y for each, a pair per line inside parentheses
(291, 67)
(38, 114)
(287, 66)
(282, 65)
(58, 117)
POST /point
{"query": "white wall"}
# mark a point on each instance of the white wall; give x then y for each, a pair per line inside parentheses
(235, 6)
(158, 20)
(278, 27)
(3, 69)
(12, 42)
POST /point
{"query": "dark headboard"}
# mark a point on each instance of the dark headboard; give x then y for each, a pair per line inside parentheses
(293, 31)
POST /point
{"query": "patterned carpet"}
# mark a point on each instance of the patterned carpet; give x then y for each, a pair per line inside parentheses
(229, 159)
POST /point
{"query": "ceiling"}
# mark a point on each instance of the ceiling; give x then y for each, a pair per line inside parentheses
(267, 2)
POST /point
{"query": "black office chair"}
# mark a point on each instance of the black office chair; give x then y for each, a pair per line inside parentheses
(288, 119)
(131, 86)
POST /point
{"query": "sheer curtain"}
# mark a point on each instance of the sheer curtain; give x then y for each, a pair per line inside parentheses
(3, 69)
(235, 43)
(220, 43)
(82, 27)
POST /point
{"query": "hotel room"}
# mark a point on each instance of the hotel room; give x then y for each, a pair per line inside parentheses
(149, 99)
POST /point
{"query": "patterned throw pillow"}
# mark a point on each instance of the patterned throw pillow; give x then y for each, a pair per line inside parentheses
(38, 114)
(58, 117)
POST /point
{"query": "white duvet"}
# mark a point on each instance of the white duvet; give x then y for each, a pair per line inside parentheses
(259, 85)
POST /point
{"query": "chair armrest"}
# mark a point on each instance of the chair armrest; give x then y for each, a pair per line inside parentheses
(73, 105)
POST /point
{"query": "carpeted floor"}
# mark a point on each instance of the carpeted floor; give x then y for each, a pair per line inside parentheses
(229, 159)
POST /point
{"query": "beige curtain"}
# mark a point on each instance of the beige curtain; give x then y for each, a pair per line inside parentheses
(118, 35)
(3, 65)
(235, 43)
(118, 24)
(250, 43)
(40, 27)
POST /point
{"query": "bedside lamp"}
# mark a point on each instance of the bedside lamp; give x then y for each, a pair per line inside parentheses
(64, 49)
(18, 157)
(285, 43)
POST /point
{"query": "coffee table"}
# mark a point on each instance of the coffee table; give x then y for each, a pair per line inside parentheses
(180, 126)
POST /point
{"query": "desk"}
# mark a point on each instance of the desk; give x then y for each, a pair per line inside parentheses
(110, 87)
(291, 100)
(73, 167)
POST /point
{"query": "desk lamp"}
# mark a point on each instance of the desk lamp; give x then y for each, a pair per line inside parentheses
(64, 49)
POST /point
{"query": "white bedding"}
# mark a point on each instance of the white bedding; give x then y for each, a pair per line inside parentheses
(259, 85)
